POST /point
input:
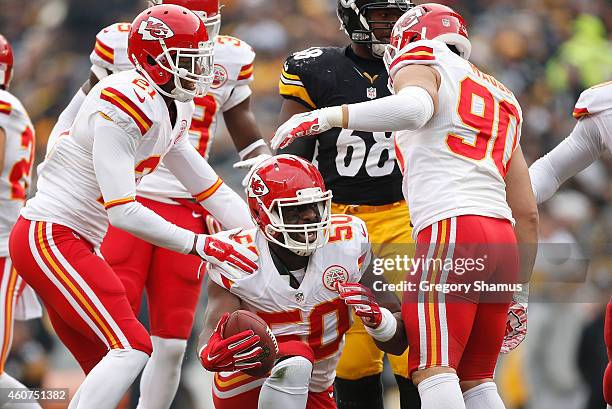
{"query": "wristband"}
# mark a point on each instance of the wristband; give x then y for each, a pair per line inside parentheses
(244, 152)
(386, 329)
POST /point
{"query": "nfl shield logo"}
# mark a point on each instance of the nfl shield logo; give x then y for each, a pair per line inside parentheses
(299, 297)
(371, 93)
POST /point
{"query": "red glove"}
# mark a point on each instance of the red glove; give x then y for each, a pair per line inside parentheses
(516, 326)
(363, 302)
(232, 257)
(300, 125)
(230, 354)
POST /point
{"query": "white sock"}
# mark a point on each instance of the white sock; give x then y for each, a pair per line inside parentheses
(7, 381)
(608, 406)
(483, 396)
(108, 381)
(160, 378)
(287, 385)
(441, 392)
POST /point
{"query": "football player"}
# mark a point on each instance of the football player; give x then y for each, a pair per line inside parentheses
(171, 279)
(466, 182)
(359, 167)
(127, 125)
(16, 157)
(591, 137)
(305, 253)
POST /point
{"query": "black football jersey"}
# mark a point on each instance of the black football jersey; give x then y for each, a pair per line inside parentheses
(359, 167)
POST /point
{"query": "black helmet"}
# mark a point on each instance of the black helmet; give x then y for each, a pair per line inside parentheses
(353, 20)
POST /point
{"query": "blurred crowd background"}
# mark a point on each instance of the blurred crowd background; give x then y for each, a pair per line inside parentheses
(546, 51)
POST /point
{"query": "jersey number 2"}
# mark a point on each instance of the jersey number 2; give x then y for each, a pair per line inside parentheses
(488, 118)
(206, 109)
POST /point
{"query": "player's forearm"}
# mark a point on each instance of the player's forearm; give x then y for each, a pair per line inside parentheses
(410, 109)
(66, 118)
(228, 208)
(580, 149)
(398, 344)
(147, 225)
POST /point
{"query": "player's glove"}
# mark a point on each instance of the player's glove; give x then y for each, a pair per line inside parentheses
(232, 257)
(363, 302)
(250, 164)
(230, 354)
(300, 125)
(516, 322)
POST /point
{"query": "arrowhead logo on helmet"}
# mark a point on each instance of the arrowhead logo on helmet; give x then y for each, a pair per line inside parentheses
(257, 187)
(154, 29)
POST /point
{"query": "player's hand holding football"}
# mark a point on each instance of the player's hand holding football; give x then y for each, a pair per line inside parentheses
(516, 322)
(300, 125)
(232, 257)
(232, 353)
(363, 302)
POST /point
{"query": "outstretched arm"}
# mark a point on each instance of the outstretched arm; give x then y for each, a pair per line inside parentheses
(412, 106)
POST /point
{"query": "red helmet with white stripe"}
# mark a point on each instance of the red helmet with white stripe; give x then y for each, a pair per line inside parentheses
(280, 184)
(6, 62)
(208, 10)
(431, 21)
(168, 43)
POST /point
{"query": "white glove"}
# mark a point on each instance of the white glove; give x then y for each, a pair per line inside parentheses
(299, 125)
(250, 164)
(232, 257)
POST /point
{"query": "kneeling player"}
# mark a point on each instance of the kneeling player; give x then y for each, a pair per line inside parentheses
(306, 257)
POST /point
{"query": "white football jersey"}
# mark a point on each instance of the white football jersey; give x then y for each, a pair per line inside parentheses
(68, 191)
(233, 72)
(18, 159)
(456, 163)
(314, 312)
(110, 50)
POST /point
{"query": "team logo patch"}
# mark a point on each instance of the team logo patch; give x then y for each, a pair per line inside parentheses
(220, 76)
(333, 275)
(371, 93)
(154, 29)
(257, 187)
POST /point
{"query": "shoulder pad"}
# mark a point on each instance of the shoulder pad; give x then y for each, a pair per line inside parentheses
(110, 49)
(345, 227)
(299, 70)
(423, 52)
(234, 60)
(128, 100)
(594, 100)
(10, 106)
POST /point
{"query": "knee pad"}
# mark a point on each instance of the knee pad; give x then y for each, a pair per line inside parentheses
(291, 375)
(168, 351)
(364, 393)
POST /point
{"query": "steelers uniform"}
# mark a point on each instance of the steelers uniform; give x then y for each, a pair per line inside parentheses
(360, 169)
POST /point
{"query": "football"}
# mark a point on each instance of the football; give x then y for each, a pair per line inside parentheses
(242, 320)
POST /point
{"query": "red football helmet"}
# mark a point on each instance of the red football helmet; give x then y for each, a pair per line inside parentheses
(284, 181)
(429, 21)
(208, 10)
(170, 42)
(6, 62)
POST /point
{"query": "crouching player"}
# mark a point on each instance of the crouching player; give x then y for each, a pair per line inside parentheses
(308, 262)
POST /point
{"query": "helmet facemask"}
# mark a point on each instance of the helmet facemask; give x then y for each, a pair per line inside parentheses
(280, 232)
(363, 28)
(192, 70)
(212, 23)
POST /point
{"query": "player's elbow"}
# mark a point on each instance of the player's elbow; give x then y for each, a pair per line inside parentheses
(527, 216)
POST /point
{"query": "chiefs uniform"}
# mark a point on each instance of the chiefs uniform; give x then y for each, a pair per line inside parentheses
(359, 167)
(17, 300)
(455, 188)
(591, 137)
(54, 244)
(313, 312)
(171, 279)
